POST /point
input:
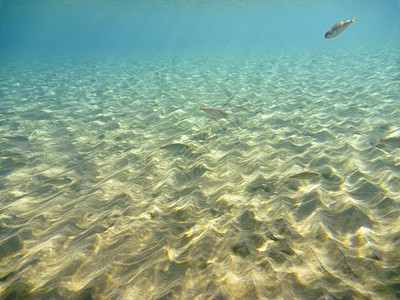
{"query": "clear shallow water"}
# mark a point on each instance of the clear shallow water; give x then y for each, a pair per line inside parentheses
(91, 207)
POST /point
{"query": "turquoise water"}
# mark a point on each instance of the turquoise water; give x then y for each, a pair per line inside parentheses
(115, 185)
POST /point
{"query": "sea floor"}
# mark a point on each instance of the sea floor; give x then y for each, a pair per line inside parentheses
(91, 206)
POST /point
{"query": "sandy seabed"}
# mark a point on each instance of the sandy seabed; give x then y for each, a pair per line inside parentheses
(92, 207)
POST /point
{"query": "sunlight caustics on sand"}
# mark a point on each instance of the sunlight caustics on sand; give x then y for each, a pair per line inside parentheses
(119, 186)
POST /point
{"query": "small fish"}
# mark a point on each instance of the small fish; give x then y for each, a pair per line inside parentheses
(10, 155)
(338, 28)
(176, 147)
(11, 166)
(216, 112)
(305, 175)
(59, 181)
(201, 136)
(16, 138)
(180, 149)
(392, 141)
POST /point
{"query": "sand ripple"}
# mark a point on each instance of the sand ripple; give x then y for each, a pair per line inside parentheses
(92, 207)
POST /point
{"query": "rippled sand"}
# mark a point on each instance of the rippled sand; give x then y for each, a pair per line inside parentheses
(92, 207)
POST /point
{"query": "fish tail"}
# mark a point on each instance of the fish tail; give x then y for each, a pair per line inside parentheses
(352, 20)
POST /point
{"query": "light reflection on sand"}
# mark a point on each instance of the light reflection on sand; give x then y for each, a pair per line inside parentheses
(96, 209)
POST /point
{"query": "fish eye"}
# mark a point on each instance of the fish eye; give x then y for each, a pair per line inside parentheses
(330, 32)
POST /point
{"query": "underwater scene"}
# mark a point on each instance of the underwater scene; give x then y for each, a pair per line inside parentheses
(199, 149)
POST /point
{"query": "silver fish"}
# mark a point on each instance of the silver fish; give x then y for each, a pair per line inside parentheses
(59, 181)
(338, 28)
(176, 147)
(392, 141)
(305, 175)
(9, 154)
(216, 112)
(11, 166)
(16, 138)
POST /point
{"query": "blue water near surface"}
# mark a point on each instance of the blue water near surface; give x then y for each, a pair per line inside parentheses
(117, 28)
(114, 184)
